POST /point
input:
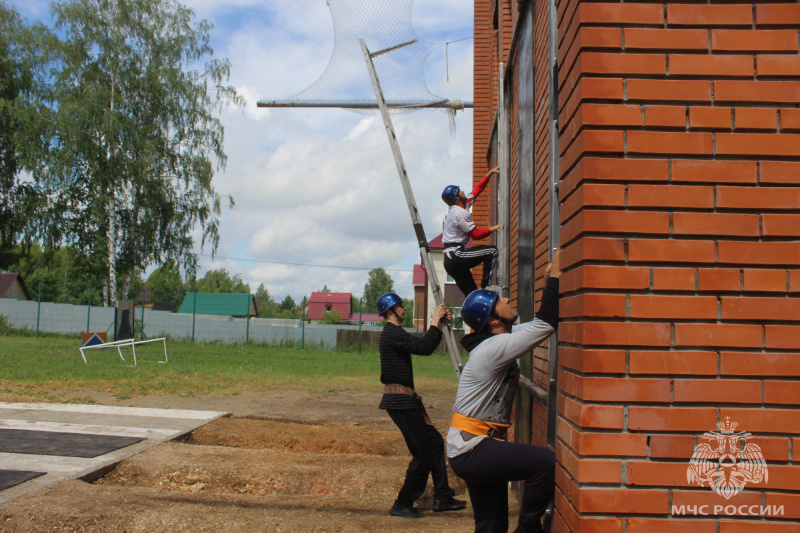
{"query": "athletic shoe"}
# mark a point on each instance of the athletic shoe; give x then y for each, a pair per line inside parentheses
(405, 512)
(448, 505)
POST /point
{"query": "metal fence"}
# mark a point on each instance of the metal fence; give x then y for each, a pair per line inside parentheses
(70, 319)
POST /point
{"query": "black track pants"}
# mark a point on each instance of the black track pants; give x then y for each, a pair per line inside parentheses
(427, 456)
(489, 467)
(459, 262)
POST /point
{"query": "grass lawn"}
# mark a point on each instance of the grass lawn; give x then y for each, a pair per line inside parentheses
(37, 369)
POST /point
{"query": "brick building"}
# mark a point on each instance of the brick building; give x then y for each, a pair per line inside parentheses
(670, 134)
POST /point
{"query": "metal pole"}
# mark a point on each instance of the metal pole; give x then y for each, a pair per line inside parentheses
(38, 309)
(116, 325)
(141, 334)
(552, 389)
(360, 309)
(433, 280)
(502, 182)
(194, 312)
(247, 333)
(303, 331)
(361, 104)
(89, 307)
(416, 319)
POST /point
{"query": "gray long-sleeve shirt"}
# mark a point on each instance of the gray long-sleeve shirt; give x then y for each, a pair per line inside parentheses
(489, 380)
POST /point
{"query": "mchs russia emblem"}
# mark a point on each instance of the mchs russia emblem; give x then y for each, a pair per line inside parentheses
(726, 462)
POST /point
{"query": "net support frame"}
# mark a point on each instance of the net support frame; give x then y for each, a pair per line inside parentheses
(424, 249)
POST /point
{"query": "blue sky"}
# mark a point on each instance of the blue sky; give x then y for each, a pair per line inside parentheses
(319, 186)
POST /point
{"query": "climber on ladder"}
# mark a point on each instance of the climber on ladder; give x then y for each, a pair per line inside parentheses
(458, 229)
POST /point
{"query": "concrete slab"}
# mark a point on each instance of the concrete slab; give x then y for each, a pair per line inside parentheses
(154, 425)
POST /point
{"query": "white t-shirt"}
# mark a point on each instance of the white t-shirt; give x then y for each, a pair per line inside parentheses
(457, 225)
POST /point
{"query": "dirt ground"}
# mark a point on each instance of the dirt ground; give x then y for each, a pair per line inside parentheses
(283, 462)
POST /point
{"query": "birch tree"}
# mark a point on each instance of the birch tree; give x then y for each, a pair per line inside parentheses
(137, 136)
(21, 122)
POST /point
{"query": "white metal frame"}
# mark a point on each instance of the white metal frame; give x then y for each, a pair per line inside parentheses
(127, 342)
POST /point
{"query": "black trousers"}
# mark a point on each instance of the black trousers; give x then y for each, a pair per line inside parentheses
(427, 456)
(489, 467)
(460, 262)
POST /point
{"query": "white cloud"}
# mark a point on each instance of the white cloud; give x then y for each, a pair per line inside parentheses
(319, 186)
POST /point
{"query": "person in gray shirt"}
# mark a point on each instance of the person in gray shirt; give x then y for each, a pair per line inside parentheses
(476, 445)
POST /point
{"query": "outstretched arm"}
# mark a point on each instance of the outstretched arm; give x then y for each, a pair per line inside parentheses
(428, 343)
(478, 189)
(482, 233)
(548, 309)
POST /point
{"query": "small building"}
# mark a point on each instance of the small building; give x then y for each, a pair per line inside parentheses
(370, 319)
(322, 302)
(225, 304)
(452, 295)
(13, 288)
(419, 280)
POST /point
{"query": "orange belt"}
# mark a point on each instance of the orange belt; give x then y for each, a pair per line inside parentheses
(475, 426)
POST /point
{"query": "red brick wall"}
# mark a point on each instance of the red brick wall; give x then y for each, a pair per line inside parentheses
(485, 105)
(680, 185)
(680, 168)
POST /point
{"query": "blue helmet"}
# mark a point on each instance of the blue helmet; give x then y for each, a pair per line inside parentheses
(387, 301)
(477, 308)
(450, 194)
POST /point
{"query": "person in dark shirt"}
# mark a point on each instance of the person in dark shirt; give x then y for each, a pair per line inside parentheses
(406, 410)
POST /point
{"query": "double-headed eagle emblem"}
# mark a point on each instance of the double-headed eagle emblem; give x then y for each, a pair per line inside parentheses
(727, 462)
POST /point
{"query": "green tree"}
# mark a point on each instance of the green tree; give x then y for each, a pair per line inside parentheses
(21, 123)
(65, 274)
(166, 284)
(288, 304)
(136, 138)
(220, 281)
(379, 283)
(331, 317)
(408, 322)
(266, 307)
(263, 294)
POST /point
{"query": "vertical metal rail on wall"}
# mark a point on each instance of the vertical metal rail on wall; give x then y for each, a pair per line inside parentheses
(502, 184)
(433, 279)
(555, 220)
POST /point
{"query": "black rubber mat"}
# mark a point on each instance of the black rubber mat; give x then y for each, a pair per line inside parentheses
(64, 444)
(9, 478)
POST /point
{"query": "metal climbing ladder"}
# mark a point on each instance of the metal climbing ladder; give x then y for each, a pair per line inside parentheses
(425, 252)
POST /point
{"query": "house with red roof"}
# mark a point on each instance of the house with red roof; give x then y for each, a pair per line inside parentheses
(322, 302)
(423, 292)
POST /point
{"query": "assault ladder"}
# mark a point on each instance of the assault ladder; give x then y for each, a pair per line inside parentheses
(425, 252)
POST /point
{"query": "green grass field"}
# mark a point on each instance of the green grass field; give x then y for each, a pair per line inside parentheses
(40, 369)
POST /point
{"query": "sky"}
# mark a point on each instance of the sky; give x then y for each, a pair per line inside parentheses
(320, 186)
